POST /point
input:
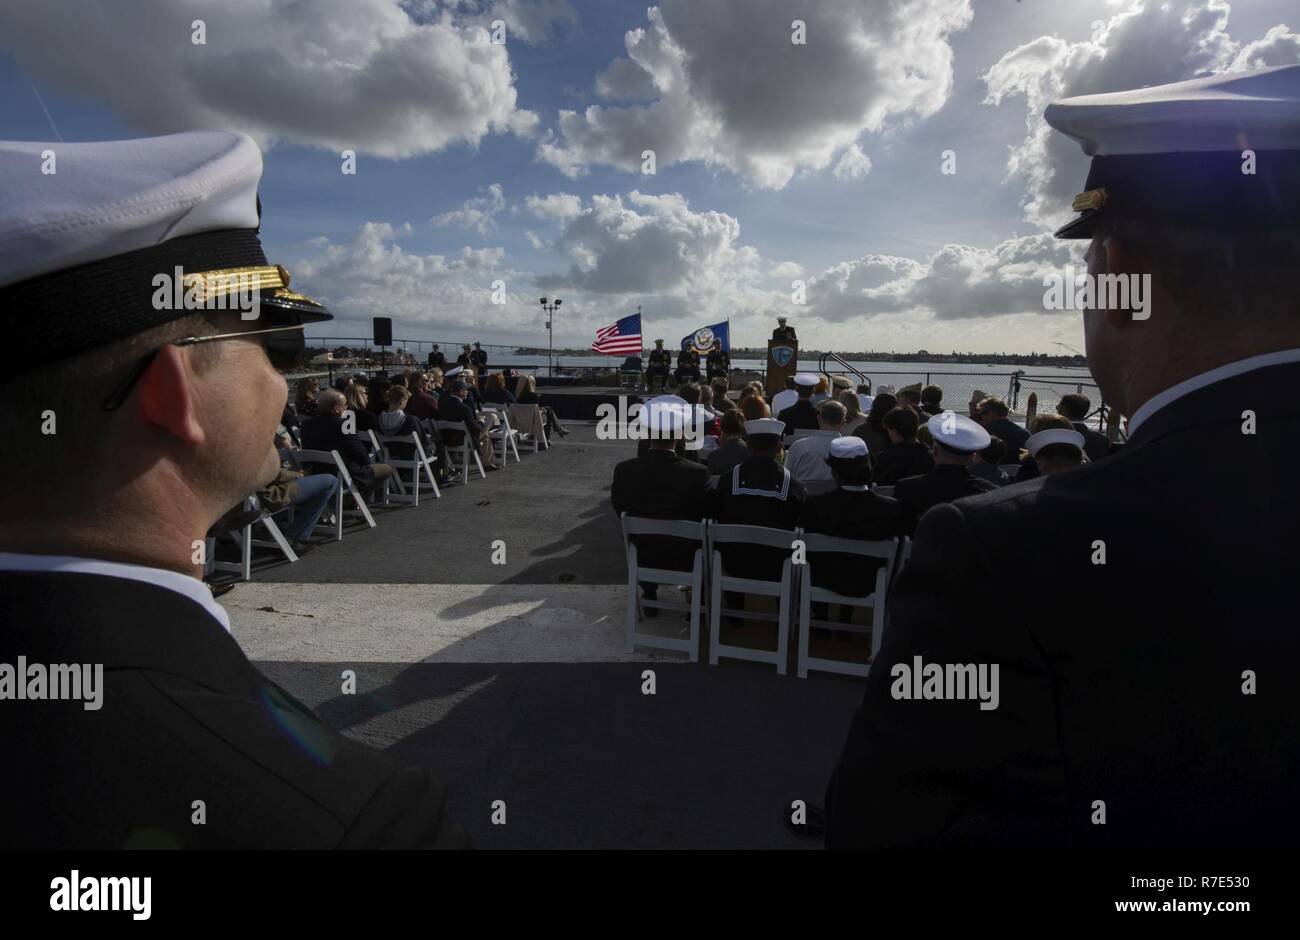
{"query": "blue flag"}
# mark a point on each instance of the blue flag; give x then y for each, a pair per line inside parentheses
(702, 339)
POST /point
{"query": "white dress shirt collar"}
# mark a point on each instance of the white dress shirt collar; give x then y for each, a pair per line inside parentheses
(1231, 370)
(192, 588)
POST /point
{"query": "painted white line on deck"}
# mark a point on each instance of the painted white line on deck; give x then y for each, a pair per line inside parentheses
(464, 623)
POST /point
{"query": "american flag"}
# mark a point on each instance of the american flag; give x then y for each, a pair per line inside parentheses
(621, 339)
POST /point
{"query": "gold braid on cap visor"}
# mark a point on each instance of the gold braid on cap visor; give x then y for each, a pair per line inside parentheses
(209, 285)
(1092, 199)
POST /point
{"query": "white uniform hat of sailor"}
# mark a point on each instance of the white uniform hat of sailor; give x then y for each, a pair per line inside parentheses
(1175, 154)
(958, 432)
(849, 447)
(453, 372)
(764, 426)
(700, 417)
(1042, 439)
(663, 419)
(806, 379)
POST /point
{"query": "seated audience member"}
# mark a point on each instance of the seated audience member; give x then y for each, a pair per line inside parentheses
(526, 393)
(308, 495)
(909, 396)
(753, 407)
(758, 492)
(495, 391)
(1076, 408)
(377, 395)
(659, 484)
(305, 402)
(994, 415)
(1044, 422)
(985, 464)
(720, 388)
(475, 398)
(1056, 450)
(325, 432)
(905, 456)
(853, 416)
(706, 400)
(977, 397)
(289, 418)
(784, 398)
(851, 511)
(358, 399)
(454, 406)
(821, 391)
(731, 450)
(956, 441)
(801, 415)
(422, 403)
(931, 397)
(397, 421)
(806, 457)
(873, 430)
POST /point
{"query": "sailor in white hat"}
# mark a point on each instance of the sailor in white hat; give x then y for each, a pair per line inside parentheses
(1194, 188)
(957, 439)
(153, 335)
(1056, 450)
(453, 372)
(801, 414)
(760, 492)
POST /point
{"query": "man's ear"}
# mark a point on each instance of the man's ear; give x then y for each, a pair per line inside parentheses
(167, 396)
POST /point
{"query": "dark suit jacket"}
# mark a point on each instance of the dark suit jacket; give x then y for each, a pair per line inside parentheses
(660, 485)
(185, 717)
(852, 514)
(726, 456)
(799, 416)
(1095, 444)
(1129, 690)
(325, 432)
(452, 408)
(899, 461)
(1012, 434)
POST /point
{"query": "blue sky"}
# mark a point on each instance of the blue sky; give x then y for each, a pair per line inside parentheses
(762, 147)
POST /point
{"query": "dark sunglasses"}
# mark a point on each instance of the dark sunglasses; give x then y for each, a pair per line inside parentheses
(284, 346)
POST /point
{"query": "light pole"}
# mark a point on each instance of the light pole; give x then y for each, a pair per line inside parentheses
(550, 309)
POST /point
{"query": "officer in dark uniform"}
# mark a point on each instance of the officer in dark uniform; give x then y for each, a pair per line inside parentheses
(166, 417)
(478, 361)
(783, 333)
(718, 362)
(957, 439)
(1135, 713)
(801, 415)
(437, 359)
(758, 492)
(688, 366)
(661, 361)
(465, 359)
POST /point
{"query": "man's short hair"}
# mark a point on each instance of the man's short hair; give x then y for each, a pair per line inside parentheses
(833, 413)
(931, 395)
(689, 392)
(996, 405)
(995, 452)
(328, 398)
(706, 395)
(720, 389)
(732, 422)
(1049, 422)
(910, 394)
(902, 421)
(1074, 406)
(397, 397)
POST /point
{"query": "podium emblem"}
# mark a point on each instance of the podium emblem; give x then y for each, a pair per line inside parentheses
(782, 355)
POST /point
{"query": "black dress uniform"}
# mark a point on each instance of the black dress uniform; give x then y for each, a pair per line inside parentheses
(799, 416)
(437, 360)
(943, 484)
(718, 364)
(185, 717)
(784, 334)
(658, 484)
(1095, 444)
(757, 492)
(900, 461)
(661, 362)
(1158, 707)
(852, 513)
(479, 360)
(688, 366)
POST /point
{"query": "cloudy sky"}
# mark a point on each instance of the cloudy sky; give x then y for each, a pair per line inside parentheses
(520, 164)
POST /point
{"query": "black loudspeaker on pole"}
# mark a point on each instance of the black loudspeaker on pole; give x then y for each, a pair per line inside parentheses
(383, 331)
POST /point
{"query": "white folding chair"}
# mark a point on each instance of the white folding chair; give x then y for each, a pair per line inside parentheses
(720, 581)
(345, 483)
(245, 542)
(530, 422)
(504, 433)
(681, 528)
(417, 463)
(464, 450)
(886, 551)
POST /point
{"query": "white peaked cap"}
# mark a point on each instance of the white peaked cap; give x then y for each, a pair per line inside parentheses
(958, 432)
(848, 448)
(765, 426)
(805, 378)
(1040, 440)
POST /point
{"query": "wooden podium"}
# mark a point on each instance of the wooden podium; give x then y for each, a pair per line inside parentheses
(782, 363)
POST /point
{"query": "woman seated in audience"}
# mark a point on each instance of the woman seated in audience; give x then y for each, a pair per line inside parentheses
(821, 391)
(873, 430)
(753, 407)
(358, 397)
(305, 402)
(526, 394)
(852, 410)
(495, 391)
(378, 392)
